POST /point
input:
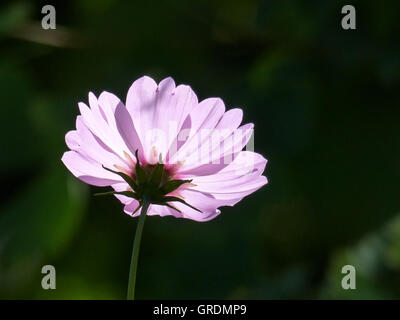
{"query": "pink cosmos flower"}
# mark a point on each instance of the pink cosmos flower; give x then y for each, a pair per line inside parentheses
(185, 156)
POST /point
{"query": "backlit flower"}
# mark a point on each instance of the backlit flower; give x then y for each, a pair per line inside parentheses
(186, 157)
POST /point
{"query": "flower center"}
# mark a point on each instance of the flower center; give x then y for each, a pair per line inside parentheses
(152, 183)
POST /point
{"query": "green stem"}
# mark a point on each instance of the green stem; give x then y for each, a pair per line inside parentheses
(135, 252)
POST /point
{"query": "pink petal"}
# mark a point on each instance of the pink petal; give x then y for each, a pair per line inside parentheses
(212, 156)
(237, 180)
(163, 211)
(246, 162)
(175, 108)
(123, 186)
(131, 207)
(203, 119)
(140, 102)
(92, 148)
(72, 139)
(96, 121)
(108, 102)
(88, 171)
(236, 189)
(127, 131)
(205, 203)
(158, 112)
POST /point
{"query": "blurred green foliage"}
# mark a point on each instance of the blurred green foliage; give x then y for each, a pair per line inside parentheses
(326, 110)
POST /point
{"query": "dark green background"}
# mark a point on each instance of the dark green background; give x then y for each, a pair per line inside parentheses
(326, 109)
